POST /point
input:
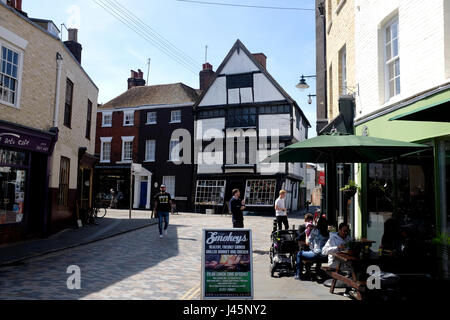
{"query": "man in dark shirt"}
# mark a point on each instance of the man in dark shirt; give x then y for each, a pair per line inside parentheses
(236, 207)
(163, 206)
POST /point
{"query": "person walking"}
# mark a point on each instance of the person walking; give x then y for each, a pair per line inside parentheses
(112, 205)
(281, 211)
(163, 205)
(237, 206)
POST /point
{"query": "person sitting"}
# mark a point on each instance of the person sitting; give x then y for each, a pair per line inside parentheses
(317, 240)
(337, 242)
(309, 223)
(302, 238)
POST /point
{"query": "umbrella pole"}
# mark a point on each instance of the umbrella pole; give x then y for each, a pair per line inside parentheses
(331, 193)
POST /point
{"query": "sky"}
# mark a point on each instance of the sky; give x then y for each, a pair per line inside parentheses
(111, 49)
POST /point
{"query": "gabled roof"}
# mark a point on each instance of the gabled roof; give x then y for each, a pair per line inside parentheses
(166, 94)
(240, 46)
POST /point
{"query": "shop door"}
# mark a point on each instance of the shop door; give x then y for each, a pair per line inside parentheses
(86, 188)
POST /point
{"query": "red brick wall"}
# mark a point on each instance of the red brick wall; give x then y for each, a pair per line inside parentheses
(117, 132)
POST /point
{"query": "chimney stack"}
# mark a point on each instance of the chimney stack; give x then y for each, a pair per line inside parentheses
(136, 79)
(16, 4)
(73, 45)
(206, 76)
(261, 58)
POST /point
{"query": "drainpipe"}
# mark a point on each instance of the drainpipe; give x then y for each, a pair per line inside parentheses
(59, 62)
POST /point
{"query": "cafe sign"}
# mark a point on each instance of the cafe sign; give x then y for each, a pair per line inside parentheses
(227, 264)
(25, 142)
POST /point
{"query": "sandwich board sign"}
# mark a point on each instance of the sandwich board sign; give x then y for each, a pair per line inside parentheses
(227, 264)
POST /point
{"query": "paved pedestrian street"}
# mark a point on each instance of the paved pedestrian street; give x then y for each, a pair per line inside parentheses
(139, 265)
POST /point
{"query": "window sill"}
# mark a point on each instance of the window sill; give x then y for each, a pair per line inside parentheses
(128, 125)
(171, 122)
(7, 104)
(150, 161)
(125, 162)
(105, 162)
(150, 123)
(106, 126)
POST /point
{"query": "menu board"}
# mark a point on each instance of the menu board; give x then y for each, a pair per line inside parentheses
(227, 264)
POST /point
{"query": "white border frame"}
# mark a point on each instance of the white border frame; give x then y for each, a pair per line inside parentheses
(21, 54)
(202, 269)
(107, 113)
(125, 114)
(103, 140)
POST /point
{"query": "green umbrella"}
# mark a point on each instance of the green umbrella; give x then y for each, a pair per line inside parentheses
(341, 148)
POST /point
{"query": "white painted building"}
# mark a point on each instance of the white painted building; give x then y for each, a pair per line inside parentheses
(244, 103)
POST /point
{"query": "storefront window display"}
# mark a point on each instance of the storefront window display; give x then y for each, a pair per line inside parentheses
(260, 192)
(210, 192)
(13, 177)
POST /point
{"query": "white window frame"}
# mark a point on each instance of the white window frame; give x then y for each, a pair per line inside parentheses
(102, 141)
(125, 114)
(269, 197)
(105, 125)
(178, 146)
(156, 117)
(170, 187)
(210, 192)
(387, 63)
(125, 140)
(176, 120)
(147, 158)
(20, 53)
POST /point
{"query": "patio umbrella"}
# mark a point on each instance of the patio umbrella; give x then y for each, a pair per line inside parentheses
(342, 148)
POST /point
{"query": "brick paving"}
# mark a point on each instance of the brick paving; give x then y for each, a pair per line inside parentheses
(139, 265)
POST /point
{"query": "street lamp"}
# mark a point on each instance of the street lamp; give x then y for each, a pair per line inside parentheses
(302, 85)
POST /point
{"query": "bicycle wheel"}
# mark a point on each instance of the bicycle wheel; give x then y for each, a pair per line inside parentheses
(100, 212)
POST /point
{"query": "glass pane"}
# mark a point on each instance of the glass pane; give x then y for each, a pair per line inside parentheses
(12, 195)
(397, 68)
(388, 52)
(394, 28)
(8, 69)
(16, 59)
(388, 34)
(14, 72)
(391, 71)
(397, 85)
(10, 56)
(395, 48)
(391, 88)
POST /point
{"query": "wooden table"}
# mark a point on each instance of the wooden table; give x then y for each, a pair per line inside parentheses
(353, 282)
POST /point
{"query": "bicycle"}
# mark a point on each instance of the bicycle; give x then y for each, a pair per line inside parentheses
(99, 210)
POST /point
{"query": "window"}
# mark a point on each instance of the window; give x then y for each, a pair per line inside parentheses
(241, 117)
(127, 149)
(169, 182)
(209, 114)
(240, 81)
(68, 104)
(64, 175)
(298, 119)
(105, 152)
(128, 118)
(343, 70)
(13, 177)
(175, 116)
(107, 119)
(151, 117)
(260, 192)
(89, 120)
(275, 109)
(392, 59)
(210, 192)
(9, 76)
(240, 88)
(150, 150)
(174, 150)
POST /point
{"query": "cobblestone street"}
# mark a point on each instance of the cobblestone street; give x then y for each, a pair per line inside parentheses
(139, 265)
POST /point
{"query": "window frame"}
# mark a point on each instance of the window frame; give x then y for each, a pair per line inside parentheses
(251, 195)
(68, 108)
(170, 150)
(147, 158)
(393, 60)
(169, 185)
(128, 113)
(124, 141)
(210, 190)
(172, 116)
(156, 117)
(104, 140)
(89, 120)
(107, 113)
(18, 91)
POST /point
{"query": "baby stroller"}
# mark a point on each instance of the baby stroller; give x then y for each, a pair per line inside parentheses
(283, 252)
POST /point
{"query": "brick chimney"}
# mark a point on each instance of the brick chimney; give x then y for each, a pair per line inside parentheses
(206, 76)
(73, 45)
(16, 4)
(136, 79)
(261, 58)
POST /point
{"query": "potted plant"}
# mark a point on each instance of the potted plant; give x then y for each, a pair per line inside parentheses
(350, 189)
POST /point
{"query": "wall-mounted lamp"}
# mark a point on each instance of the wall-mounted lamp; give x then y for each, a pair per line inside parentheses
(310, 96)
(302, 85)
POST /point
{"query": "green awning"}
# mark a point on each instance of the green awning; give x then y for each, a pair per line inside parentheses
(437, 112)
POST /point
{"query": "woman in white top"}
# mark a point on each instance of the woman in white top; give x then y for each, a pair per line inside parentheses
(281, 211)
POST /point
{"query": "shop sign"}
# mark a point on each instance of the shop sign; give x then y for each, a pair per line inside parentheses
(227, 264)
(322, 178)
(24, 142)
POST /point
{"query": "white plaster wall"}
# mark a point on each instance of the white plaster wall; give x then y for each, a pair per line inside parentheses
(217, 93)
(421, 47)
(265, 90)
(208, 128)
(239, 63)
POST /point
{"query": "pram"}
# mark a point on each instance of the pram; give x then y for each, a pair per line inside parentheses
(283, 252)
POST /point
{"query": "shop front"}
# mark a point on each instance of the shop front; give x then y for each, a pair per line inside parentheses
(412, 189)
(116, 178)
(24, 181)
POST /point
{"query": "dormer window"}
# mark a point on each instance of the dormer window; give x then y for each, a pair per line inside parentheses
(128, 118)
